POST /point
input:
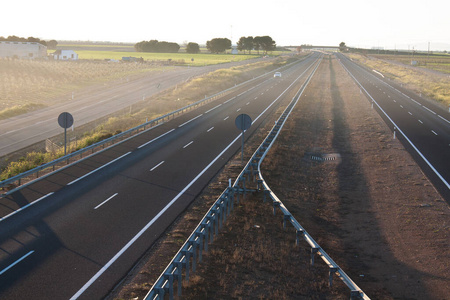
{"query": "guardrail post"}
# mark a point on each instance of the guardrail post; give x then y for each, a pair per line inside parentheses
(194, 255)
(355, 295)
(216, 221)
(314, 250)
(332, 271)
(160, 292)
(179, 266)
(169, 277)
(275, 205)
(286, 218)
(200, 245)
(187, 257)
(299, 233)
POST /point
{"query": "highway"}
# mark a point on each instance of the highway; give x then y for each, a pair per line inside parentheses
(421, 125)
(75, 234)
(91, 104)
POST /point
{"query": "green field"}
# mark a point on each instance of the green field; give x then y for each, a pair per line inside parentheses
(179, 58)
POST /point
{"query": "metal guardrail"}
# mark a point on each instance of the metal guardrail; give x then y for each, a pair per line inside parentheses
(191, 251)
(123, 136)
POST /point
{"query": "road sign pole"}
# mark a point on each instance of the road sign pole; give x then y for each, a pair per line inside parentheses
(242, 148)
(65, 141)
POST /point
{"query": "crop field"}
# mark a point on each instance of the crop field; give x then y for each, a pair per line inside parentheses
(200, 59)
(31, 84)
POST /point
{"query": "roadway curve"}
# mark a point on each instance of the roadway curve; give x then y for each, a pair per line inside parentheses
(88, 224)
(421, 125)
(91, 104)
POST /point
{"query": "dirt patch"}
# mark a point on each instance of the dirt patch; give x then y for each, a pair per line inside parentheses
(372, 210)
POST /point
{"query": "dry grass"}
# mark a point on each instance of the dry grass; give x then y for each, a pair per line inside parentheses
(37, 83)
(434, 86)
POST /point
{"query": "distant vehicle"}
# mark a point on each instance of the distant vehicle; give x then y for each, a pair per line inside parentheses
(277, 74)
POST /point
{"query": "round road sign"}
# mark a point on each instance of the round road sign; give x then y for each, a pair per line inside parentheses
(243, 122)
(65, 120)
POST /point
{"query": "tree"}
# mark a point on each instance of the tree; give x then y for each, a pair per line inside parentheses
(343, 47)
(218, 45)
(192, 48)
(266, 43)
(155, 46)
(52, 44)
(241, 44)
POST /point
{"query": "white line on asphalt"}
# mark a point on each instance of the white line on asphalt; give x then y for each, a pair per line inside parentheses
(156, 166)
(28, 205)
(17, 261)
(401, 106)
(213, 108)
(188, 144)
(420, 121)
(210, 129)
(247, 103)
(434, 132)
(98, 168)
(155, 139)
(190, 120)
(106, 200)
(226, 118)
(238, 109)
(229, 100)
(428, 109)
(256, 98)
(444, 119)
(409, 113)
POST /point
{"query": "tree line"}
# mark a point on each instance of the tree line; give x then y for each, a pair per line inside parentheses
(264, 43)
(216, 45)
(12, 38)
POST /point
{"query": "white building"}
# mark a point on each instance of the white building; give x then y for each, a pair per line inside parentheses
(29, 50)
(65, 55)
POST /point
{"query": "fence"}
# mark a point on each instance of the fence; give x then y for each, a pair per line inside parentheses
(192, 250)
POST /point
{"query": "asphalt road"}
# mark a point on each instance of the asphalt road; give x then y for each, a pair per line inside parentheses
(421, 125)
(89, 105)
(75, 234)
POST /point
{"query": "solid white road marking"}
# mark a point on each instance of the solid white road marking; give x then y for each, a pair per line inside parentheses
(155, 139)
(210, 129)
(434, 132)
(106, 200)
(28, 205)
(213, 108)
(226, 118)
(16, 262)
(190, 120)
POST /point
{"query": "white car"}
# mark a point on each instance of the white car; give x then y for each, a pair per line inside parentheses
(277, 74)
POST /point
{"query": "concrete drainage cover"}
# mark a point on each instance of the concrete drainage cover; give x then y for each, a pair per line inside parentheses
(320, 157)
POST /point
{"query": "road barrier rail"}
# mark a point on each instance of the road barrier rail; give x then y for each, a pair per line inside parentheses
(16, 182)
(192, 250)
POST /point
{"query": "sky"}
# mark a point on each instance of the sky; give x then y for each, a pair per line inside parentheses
(389, 24)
